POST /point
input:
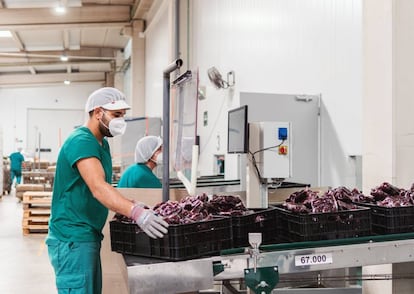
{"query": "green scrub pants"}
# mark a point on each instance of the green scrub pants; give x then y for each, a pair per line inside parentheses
(77, 266)
(15, 174)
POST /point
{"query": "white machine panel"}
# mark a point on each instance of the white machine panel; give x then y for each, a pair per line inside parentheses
(274, 138)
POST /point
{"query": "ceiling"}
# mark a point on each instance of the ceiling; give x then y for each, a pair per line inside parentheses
(91, 33)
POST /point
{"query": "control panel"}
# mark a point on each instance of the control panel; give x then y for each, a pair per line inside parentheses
(271, 144)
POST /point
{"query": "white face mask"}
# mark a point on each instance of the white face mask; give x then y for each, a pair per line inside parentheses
(159, 159)
(116, 127)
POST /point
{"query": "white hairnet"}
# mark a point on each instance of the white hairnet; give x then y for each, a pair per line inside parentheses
(146, 147)
(107, 98)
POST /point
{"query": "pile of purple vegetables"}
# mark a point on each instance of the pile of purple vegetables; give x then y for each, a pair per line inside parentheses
(308, 201)
(199, 208)
(341, 198)
(388, 195)
(196, 208)
(227, 205)
(188, 210)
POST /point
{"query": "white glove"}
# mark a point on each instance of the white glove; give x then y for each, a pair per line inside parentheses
(153, 225)
(136, 202)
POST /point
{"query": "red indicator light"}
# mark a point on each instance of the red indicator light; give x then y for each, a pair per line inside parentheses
(283, 150)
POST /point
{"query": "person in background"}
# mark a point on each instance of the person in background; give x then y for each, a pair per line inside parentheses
(148, 154)
(82, 195)
(16, 161)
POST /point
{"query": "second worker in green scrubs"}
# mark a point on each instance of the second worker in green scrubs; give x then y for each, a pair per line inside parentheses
(148, 154)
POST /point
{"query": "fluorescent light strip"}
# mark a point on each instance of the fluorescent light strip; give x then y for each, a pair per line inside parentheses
(5, 34)
(60, 9)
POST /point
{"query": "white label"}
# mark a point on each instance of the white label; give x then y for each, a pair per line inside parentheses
(313, 259)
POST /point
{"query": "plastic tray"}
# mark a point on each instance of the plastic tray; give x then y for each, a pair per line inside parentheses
(259, 221)
(182, 241)
(391, 220)
(294, 227)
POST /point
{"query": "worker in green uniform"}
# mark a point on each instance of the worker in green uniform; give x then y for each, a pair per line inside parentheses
(82, 195)
(148, 154)
(16, 161)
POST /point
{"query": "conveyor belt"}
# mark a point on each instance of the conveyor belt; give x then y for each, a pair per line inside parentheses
(145, 275)
(325, 243)
(328, 254)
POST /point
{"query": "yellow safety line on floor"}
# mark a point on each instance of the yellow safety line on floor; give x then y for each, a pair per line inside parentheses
(41, 247)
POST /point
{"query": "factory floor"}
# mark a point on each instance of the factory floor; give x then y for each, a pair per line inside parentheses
(24, 263)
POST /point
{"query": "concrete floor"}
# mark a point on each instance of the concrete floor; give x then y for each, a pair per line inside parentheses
(24, 263)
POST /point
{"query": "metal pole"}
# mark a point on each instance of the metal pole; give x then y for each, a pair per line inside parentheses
(166, 128)
(38, 151)
(177, 28)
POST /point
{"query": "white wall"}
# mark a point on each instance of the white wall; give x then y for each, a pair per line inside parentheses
(284, 46)
(274, 46)
(157, 58)
(15, 102)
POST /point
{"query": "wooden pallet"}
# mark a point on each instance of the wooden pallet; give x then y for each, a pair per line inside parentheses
(36, 212)
(29, 187)
(36, 194)
(38, 177)
(33, 199)
(23, 188)
(39, 229)
(35, 224)
(35, 220)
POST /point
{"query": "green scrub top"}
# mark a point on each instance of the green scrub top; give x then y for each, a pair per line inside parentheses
(76, 215)
(16, 160)
(139, 176)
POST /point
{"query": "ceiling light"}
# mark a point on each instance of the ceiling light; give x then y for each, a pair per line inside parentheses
(60, 9)
(5, 34)
(66, 82)
(64, 57)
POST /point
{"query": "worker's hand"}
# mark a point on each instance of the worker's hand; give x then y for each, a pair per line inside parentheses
(153, 225)
(136, 202)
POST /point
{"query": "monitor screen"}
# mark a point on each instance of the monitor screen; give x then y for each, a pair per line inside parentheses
(237, 135)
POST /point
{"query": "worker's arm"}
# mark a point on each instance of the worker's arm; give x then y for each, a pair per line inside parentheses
(93, 174)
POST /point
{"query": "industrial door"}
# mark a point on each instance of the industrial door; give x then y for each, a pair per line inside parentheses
(48, 128)
(303, 113)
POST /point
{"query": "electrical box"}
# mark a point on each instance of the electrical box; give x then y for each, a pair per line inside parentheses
(271, 144)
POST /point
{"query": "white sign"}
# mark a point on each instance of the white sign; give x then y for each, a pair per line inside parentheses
(313, 259)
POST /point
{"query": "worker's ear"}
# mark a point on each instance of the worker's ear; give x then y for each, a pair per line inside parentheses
(98, 113)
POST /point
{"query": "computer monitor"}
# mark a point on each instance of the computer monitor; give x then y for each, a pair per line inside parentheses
(237, 131)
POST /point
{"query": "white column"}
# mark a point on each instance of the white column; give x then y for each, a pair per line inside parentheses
(138, 69)
(403, 89)
(378, 112)
(388, 123)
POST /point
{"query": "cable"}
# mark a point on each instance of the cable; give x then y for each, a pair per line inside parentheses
(254, 159)
(255, 167)
(267, 148)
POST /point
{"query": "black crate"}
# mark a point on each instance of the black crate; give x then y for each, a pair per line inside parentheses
(294, 227)
(182, 242)
(391, 220)
(257, 221)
